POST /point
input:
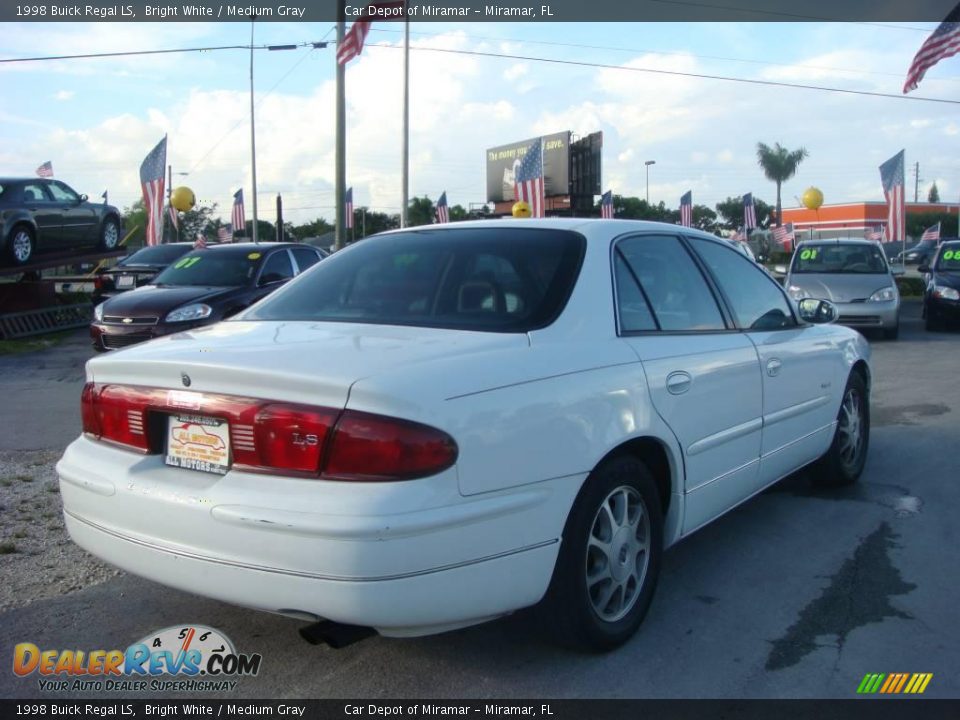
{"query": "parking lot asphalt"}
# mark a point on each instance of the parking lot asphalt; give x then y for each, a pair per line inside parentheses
(798, 593)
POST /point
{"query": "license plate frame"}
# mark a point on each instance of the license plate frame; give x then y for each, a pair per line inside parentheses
(126, 281)
(198, 442)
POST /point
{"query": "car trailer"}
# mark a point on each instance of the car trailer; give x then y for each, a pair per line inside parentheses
(30, 305)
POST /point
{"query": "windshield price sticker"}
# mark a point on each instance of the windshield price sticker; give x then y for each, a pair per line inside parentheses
(199, 443)
(951, 255)
(187, 262)
(808, 254)
(253, 256)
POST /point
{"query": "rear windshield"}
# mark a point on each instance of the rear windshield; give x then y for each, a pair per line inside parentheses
(493, 279)
(227, 268)
(833, 258)
(949, 258)
(156, 255)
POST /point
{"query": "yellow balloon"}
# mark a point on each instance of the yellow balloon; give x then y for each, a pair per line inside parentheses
(521, 209)
(812, 198)
(182, 198)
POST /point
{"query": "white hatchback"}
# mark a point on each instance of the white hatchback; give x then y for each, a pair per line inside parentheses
(438, 426)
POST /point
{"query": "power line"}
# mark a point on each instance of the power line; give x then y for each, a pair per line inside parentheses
(676, 73)
(129, 53)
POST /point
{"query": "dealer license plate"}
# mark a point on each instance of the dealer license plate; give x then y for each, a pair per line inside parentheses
(125, 281)
(200, 443)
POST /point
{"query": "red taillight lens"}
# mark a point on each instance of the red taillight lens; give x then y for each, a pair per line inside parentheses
(292, 437)
(116, 413)
(281, 438)
(372, 447)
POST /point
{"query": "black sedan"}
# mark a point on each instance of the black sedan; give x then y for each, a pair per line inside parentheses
(201, 288)
(138, 268)
(40, 214)
(919, 254)
(941, 299)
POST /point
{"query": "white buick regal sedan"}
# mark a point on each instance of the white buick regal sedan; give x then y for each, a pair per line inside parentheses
(438, 426)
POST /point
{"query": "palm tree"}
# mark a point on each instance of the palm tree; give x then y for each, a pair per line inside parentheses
(779, 165)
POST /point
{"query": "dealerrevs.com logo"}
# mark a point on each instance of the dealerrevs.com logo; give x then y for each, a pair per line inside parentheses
(196, 657)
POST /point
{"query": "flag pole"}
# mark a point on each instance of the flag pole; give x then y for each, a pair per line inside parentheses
(340, 172)
(170, 191)
(406, 117)
(253, 133)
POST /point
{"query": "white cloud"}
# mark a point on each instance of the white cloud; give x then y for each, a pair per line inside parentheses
(64, 95)
(516, 71)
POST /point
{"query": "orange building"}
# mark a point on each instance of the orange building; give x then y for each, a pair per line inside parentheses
(852, 219)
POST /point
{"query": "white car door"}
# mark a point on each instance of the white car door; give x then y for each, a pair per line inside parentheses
(801, 366)
(704, 379)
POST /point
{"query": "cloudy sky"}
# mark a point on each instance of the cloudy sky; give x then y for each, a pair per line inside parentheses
(96, 119)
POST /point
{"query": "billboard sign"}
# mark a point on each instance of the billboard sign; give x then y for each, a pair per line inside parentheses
(502, 163)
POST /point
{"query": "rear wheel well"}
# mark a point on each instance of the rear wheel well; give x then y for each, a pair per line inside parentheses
(860, 367)
(653, 454)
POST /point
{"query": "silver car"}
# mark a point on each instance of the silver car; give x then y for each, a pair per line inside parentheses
(854, 275)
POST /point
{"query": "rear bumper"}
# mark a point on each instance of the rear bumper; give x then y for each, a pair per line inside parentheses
(405, 558)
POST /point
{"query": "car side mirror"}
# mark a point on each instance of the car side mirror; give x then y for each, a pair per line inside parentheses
(780, 269)
(83, 198)
(271, 278)
(816, 311)
(922, 269)
(898, 270)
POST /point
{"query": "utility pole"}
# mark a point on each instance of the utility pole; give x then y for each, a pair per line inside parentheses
(406, 118)
(916, 182)
(253, 134)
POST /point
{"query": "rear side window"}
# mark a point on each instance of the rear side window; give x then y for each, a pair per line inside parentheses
(673, 286)
(305, 257)
(156, 255)
(277, 268)
(496, 279)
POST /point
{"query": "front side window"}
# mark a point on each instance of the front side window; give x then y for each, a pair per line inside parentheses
(834, 258)
(756, 301)
(277, 268)
(61, 193)
(497, 279)
(671, 282)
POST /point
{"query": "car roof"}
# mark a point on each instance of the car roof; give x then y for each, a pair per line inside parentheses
(616, 226)
(251, 246)
(841, 241)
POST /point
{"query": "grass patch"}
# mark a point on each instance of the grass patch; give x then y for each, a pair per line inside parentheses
(6, 482)
(25, 478)
(20, 534)
(53, 488)
(33, 344)
(7, 548)
(911, 286)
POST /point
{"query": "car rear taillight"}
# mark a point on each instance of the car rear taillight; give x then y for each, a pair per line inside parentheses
(280, 438)
(116, 413)
(373, 447)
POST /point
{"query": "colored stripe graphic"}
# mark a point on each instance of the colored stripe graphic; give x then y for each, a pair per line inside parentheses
(894, 683)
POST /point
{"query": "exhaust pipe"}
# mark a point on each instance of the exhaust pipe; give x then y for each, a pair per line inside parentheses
(334, 634)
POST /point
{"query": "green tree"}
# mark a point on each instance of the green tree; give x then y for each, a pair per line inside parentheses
(314, 228)
(377, 222)
(918, 222)
(731, 211)
(420, 211)
(779, 165)
(135, 221)
(934, 195)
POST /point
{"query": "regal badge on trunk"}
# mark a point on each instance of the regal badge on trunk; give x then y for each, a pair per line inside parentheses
(185, 379)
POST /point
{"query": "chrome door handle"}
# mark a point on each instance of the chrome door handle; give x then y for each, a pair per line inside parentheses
(678, 382)
(773, 367)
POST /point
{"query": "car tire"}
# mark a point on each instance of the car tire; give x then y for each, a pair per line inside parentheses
(609, 559)
(22, 244)
(843, 462)
(109, 234)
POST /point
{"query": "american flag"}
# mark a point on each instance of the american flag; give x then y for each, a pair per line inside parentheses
(528, 184)
(874, 233)
(45, 170)
(354, 38)
(739, 235)
(174, 218)
(931, 233)
(686, 209)
(348, 207)
(784, 235)
(891, 175)
(151, 182)
(606, 205)
(225, 233)
(238, 218)
(944, 42)
(749, 212)
(201, 242)
(443, 210)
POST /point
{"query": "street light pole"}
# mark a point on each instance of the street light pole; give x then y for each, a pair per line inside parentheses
(648, 163)
(253, 133)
